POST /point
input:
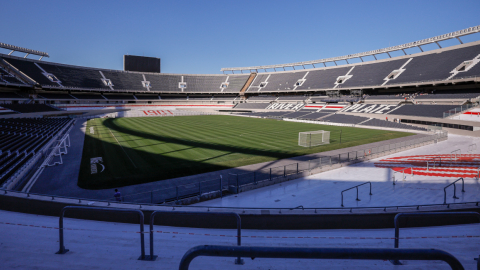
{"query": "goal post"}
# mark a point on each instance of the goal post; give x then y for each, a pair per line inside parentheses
(313, 138)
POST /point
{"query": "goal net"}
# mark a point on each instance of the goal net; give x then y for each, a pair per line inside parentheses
(313, 138)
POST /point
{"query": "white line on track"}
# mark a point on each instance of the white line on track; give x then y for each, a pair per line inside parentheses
(122, 148)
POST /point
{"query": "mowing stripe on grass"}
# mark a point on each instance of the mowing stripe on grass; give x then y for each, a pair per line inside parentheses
(122, 148)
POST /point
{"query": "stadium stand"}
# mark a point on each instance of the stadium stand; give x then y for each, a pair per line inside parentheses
(344, 119)
(262, 98)
(292, 98)
(283, 81)
(313, 116)
(448, 96)
(390, 124)
(235, 83)
(22, 138)
(119, 97)
(10, 95)
(55, 96)
(372, 74)
(88, 96)
(258, 106)
(124, 80)
(28, 108)
(323, 79)
(255, 85)
(146, 97)
(298, 114)
(423, 110)
(435, 66)
(8, 78)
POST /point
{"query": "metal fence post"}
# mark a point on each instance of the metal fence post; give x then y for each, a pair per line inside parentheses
(297, 167)
(176, 191)
(270, 174)
(221, 187)
(285, 171)
(238, 188)
(199, 190)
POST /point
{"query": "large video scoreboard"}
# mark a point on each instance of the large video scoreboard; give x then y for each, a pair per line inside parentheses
(141, 63)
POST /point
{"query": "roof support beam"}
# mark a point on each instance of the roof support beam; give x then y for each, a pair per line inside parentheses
(404, 52)
(361, 58)
(460, 40)
(389, 55)
(420, 48)
(438, 45)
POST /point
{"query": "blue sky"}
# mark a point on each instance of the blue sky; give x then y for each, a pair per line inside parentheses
(200, 37)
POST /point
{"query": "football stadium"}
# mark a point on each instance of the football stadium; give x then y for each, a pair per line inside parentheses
(302, 165)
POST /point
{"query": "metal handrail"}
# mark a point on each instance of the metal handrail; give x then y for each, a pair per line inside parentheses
(108, 202)
(341, 193)
(433, 159)
(401, 171)
(454, 189)
(436, 214)
(63, 250)
(153, 257)
(320, 253)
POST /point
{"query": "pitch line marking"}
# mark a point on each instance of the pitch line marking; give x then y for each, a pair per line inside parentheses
(122, 148)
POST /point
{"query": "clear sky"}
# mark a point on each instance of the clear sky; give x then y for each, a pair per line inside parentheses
(200, 37)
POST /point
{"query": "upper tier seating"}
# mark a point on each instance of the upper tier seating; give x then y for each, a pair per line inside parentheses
(314, 115)
(372, 74)
(283, 81)
(430, 66)
(28, 108)
(235, 83)
(323, 79)
(8, 78)
(435, 66)
(423, 110)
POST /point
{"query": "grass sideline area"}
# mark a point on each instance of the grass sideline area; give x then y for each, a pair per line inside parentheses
(146, 149)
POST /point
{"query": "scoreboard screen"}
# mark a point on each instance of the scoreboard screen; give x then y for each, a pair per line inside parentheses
(141, 63)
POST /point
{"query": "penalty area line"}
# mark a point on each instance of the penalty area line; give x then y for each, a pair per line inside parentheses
(122, 148)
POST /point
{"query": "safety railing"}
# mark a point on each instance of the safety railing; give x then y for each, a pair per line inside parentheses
(427, 214)
(238, 260)
(454, 190)
(78, 200)
(454, 154)
(320, 253)
(472, 148)
(357, 190)
(402, 171)
(279, 172)
(434, 161)
(63, 250)
(458, 110)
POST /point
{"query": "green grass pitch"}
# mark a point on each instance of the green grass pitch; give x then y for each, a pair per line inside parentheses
(146, 149)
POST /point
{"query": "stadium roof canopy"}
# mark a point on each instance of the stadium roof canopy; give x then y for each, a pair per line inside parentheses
(456, 34)
(24, 50)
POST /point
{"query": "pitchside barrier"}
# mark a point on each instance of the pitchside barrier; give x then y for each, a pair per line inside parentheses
(233, 182)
